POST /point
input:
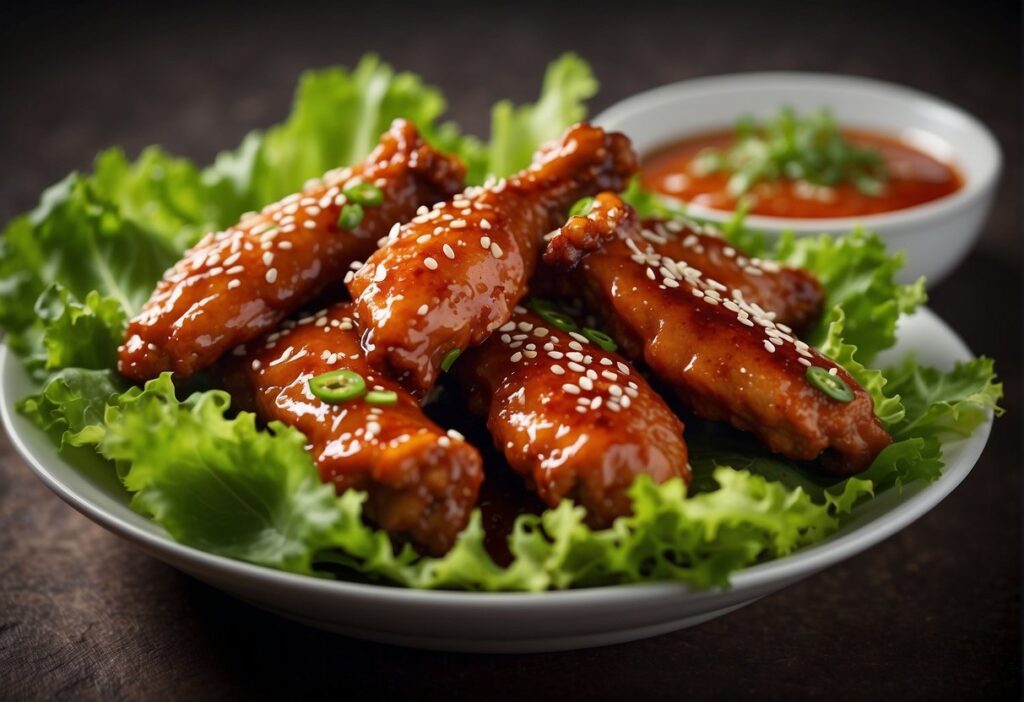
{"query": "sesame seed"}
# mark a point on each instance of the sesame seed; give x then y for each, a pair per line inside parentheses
(595, 403)
(495, 250)
(422, 239)
(557, 355)
(769, 346)
(516, 357)
(586, 383)
(609, 375)
(557, 369)
(484, 224)
(579, 337)
(507, 327)
(804, 361)
(485, 242)
(615, 391)
(571, 389)
(623, 368)
(234, 283)
(576, 367)
(380, 274)
(833, 371)
(423, 309)
(271, 275)
(458, 224)
(448, 251)
(430, 263)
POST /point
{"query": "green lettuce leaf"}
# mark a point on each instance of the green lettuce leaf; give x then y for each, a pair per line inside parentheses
(859, 276)
(517, 131)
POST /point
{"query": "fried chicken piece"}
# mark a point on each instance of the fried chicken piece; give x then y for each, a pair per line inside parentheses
(725, 356)
(794, 295)
(453, 274)
(421, 481)
(237, 285)
(575, 421)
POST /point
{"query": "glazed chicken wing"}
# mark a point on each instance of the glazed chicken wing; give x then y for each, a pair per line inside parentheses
(236, 285)
(726, 357)
(575, 421)
(421, 481)
(454, 273)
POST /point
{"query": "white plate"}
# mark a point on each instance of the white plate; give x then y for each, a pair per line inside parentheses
(936, 235)
(512, 622)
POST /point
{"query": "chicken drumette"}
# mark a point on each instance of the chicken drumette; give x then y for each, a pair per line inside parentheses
(453, 274)
(420, 480)
(236, 285)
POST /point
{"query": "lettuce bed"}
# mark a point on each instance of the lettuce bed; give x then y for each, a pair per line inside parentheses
(75, 268)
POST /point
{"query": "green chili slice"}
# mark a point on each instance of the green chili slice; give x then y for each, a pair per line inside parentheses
(351, 215)
(381, 397)
(831, 385)
(338, 386)
(603, 341)
(365, 194)
(449, 359)
(582, 207)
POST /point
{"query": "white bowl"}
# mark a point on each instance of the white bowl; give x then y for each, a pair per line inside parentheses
(936, 235)
(500, 622)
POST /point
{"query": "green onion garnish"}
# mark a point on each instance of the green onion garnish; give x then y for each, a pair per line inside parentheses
(338, 386)
(351, 215)
(808, 147)
(449, 359)
(582, 207)
(831, 385)
(365, 194)
(550, 313)
(602, 340)
(381, 397)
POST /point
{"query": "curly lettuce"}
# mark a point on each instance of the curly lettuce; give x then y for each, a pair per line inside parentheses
(86, 258)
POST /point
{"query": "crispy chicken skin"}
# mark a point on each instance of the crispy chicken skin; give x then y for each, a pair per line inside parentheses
(453, 274)
(724, 355)
(236, 285)
(421, 481)
(794, 295)
(573, 420)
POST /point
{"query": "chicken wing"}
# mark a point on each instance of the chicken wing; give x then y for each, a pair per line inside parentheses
(453, 274)
(236, 285)
(420, 480)
(575, 421)
(726, 357)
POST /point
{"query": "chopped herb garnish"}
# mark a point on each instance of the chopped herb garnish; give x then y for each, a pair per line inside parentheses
(449, 359)
(338, 386)
(832, 385)
(602, 340)
(808, 147)
(582, 207)
(351, 215)
(366, 194)
(549, 312)
(381, 397)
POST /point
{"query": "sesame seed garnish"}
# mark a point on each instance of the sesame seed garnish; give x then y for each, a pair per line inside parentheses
(458, 224)
(484, 224)
(557, 369)
(571, 388)
(448, 251)
(623, 368)
(430, 263)
(496, 250)
(271, 275)
(769, 346)
(423, 309)
(485, 242)
(234, 283)
(516, 357)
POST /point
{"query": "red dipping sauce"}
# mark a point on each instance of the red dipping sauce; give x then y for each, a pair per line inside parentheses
(914, 179)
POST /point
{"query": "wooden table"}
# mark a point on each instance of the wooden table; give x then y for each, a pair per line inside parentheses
(932, 613)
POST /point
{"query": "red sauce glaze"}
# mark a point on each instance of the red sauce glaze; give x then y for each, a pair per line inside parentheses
(914, 179)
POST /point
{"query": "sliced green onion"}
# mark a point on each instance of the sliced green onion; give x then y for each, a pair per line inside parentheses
(381, 397)
(603, 341)
(365, 194)
(550, 313)
(338, 386)
(351, 215)
(449, 359)
(831, 385)
(582, 207)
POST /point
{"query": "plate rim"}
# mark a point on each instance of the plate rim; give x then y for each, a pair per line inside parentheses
(752, 579)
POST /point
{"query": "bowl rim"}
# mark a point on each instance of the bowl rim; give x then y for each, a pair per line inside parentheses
(974, 189)
(753, 579)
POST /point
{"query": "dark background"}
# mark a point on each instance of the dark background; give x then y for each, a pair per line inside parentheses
(933, 613)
